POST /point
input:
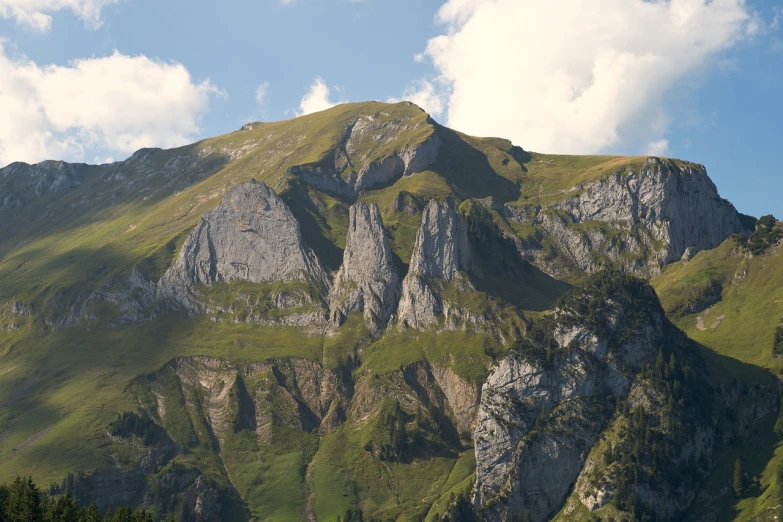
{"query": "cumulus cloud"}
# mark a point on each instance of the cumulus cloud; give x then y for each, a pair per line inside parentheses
(657, 148)
(114, 104)
(426, 95)
(33, 13)
(572, 76)
(318, 98)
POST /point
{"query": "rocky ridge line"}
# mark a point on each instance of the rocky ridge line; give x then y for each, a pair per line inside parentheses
(328, 174)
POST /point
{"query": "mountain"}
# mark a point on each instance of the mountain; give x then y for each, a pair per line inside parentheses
(363, 314)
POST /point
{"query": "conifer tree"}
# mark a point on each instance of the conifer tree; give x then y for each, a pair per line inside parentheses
(4, 493)
(24, 502)
(738, 481)
(123, 514)
(659, 365)
(92, 514)
(64, 509)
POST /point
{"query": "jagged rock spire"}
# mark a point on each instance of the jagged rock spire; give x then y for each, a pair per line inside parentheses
(367, 281)
(441, 252)
(441, 248)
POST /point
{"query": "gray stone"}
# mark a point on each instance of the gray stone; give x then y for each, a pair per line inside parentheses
(367, 281)
(251, 236)
(522, 473)
(642, 221)
(441, 252)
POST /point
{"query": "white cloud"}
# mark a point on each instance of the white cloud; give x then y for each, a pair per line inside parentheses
(111, 105)
(572, 76)
(33, 13)
(657, 148)
(261, 93)
(318, 98)
(426, 95)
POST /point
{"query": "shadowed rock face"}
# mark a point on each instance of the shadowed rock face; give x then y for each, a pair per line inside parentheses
(440, 253)
(258, 397)
(36, 180)
(251, 236)
(367, 281)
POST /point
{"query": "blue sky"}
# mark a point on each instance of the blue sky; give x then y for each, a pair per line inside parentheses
(684, 78)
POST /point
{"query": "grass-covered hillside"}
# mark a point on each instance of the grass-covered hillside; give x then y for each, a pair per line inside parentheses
(730, 300)
(387, 432)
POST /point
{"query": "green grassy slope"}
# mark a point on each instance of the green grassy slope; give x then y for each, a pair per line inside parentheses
(743, 322)
(739, 328)
(60, 387)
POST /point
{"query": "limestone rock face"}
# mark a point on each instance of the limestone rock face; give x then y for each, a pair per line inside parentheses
(463, 398)
(441, 252)
(641, 220)
(367, 281)
(680, 206)
(251, 236)
(525, 470)
(441, 248)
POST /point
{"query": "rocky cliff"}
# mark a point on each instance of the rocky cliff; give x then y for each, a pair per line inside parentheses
(545, 407)
(640, 220)
(367, 281)
(22, 182)
(441, 256)
(259, 398)
(251, 236)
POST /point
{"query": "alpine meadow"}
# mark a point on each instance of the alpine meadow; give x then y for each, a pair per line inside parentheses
(361, 314)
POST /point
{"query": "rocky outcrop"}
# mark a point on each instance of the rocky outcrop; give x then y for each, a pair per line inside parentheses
(440, 254)
(441, 249)
(367, 281)
(407, 203)
(21, 182)
(259, 397)
(462, 396)
(204, 500)
(639, 221)
(679, 205)
(346, 170)
(13, 313)
(251, 236)
(703, 298)
(542, 409)
(132, 300)
(526, 471)
(422, 392)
